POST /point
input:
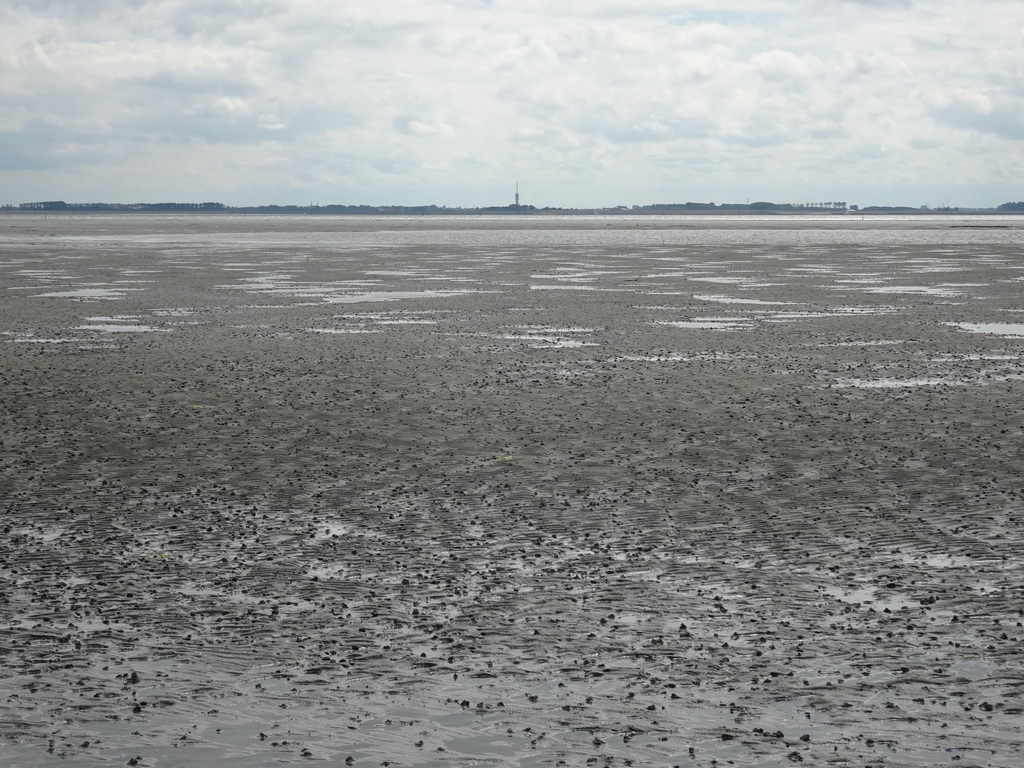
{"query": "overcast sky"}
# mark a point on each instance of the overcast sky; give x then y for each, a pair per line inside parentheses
(583, 102)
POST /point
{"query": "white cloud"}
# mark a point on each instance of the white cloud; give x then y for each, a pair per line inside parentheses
(584, 101)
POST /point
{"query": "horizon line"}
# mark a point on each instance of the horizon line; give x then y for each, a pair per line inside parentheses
(690, 206)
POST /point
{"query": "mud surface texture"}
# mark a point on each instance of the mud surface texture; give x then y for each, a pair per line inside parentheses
(513, 492)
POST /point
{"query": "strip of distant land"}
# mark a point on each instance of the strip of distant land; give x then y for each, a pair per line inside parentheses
(757, 208)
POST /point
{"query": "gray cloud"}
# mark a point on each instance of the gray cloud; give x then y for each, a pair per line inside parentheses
(357, 100)
(885, 5)
(1003, 121)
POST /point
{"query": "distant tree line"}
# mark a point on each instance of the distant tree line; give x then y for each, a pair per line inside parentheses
(760, 205)
(891, 209)
(373, 210)
(427, 210)
(60, 205)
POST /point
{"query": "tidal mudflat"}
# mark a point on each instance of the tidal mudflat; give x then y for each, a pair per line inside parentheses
(530, 492)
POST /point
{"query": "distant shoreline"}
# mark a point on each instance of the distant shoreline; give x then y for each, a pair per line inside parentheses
(406, 211)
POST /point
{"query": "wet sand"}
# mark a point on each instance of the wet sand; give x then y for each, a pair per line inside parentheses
(491, 492)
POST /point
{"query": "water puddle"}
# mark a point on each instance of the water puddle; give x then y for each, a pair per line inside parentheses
(733, 300)
(934, 560)
(920, 290)
(898, 383)
(709, 324)
(373, 296)
(874, 343)
(552, 329)
(415, 273)
(342, 330)
(88, 294)
(781, 317)
(973, 669)
(677, 358)
(28, 337)
(120, 328)
(963, 358)
(1007, 330)
(728, 280)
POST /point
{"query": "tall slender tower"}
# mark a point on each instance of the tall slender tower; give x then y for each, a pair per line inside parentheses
(517, 194)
